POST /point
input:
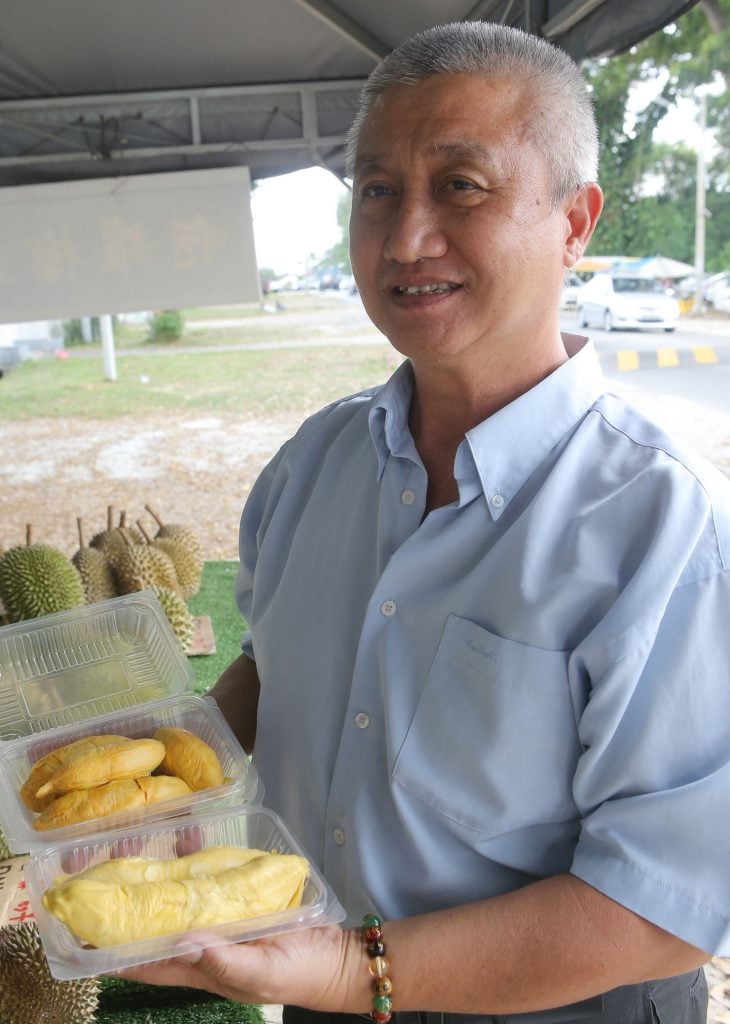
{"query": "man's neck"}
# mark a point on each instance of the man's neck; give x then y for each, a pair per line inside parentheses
(447, 404)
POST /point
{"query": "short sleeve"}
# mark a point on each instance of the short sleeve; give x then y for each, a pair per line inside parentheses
(255, 515)
(653, 782)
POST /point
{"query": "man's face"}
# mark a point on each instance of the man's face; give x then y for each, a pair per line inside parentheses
(455, 244)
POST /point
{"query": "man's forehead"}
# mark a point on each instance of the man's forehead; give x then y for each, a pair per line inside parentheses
(449, 117)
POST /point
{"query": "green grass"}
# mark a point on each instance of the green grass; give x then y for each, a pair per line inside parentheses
(238, 382)
(215, 598)
(130, 1002)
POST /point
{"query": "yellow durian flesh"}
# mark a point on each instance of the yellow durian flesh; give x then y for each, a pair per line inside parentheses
(111, 798)
(87, 804)
(106, 913)
(117, 762)
(130, 870)
(45, 767)
(190, 758)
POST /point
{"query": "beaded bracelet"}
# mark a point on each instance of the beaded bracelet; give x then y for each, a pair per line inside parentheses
(378, 968)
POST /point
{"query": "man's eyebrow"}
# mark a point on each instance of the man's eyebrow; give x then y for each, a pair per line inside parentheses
(462, 149)
(369, 163)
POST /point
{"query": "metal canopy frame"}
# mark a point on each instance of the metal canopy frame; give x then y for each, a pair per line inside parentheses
(60, 120)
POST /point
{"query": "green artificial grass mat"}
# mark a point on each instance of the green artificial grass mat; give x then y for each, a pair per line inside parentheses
(130, 1002)
(216, 599)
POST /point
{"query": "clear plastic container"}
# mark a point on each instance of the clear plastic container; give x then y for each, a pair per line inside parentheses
(253, 827)
(97, 670)
(117, 667)
(200, 715)
(86, 662)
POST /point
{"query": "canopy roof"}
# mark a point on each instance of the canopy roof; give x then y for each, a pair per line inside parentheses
(93, 88)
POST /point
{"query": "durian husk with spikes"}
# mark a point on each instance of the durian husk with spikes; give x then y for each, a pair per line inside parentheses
(109, 541)
(5, 852)
(139, 566)
(188, 566)
(37, 579)
(29, 994)
(177, 531)
(95, 570)
(178, 615)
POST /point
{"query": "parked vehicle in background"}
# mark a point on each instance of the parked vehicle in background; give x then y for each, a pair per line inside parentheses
(613, 301)
(721, 296)
(571, 286)
(717, 290)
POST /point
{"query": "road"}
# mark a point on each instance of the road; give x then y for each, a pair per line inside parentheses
(692, 363)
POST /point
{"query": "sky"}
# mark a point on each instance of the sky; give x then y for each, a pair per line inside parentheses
(295, 218)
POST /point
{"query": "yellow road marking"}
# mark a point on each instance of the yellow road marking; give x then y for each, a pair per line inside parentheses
(627, 360)
(667, 357)
(704, 354)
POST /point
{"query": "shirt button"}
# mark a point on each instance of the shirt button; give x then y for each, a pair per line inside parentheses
(497, 500)
(362, 720)
(408, 497)
(338, 834)
(388, 608)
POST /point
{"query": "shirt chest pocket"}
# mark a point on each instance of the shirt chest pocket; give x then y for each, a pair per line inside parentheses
(492, 745)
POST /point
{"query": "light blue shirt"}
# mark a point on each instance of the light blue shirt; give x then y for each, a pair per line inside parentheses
(531, 680)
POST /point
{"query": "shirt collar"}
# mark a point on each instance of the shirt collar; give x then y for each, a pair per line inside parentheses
(388, 417)
(498, 455)
(508, 446)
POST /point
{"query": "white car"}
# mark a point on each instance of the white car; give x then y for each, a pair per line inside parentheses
(717, 291)
(572, 284)
(721, 297)
(614, 301)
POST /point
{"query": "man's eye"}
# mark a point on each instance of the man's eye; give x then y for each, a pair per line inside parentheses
(374, 191)
(460, 185)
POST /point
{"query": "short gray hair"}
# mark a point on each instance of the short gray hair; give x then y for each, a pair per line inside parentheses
(565, 134)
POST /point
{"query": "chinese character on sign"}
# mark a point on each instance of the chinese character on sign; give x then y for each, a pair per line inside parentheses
(54, 256)
(21, 912)
(194, 240)
(125, 246)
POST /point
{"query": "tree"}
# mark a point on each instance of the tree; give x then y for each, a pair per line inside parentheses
(692, 52)
(339, 254)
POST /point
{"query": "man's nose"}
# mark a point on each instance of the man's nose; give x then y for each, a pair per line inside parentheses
(415, 232)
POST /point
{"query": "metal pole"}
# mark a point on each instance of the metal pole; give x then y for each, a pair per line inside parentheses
(107, 347)
(700, 210)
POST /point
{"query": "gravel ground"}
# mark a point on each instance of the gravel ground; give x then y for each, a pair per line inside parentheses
(193, 471)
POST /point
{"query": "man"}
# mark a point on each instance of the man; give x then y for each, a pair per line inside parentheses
(488, 601)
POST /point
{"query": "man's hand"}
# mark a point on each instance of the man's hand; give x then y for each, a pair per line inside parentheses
(317, 967)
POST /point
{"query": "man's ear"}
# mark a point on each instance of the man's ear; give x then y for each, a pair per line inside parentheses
(582, 211)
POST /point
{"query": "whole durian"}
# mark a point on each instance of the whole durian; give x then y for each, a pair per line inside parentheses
(36, 580)
(113, 537)
(138, 566)
(188, 567)
(29, 993)
(95, 570)
(178, 615)
(178, 532)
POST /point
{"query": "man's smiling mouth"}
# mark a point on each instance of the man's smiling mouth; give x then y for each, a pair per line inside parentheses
(425, 289)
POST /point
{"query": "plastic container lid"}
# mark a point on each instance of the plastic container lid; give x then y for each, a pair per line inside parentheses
(86, 662)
